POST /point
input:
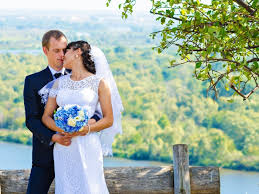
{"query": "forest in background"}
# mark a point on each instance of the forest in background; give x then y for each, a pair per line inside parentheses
(163, 106)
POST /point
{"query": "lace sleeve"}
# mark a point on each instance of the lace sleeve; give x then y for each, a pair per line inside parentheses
(54, 89)
(49, 89)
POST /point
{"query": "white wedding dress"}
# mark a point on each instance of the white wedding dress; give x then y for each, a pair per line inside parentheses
(79, 167)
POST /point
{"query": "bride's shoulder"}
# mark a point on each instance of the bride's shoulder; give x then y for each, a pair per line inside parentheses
(102, 83)
(99, 79)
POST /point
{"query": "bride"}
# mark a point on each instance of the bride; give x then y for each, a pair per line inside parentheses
(79, 167)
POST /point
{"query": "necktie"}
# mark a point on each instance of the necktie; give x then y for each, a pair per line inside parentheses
(57, 75)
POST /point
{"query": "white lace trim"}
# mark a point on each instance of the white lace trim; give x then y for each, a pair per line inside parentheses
(91, 82)
(51, 89)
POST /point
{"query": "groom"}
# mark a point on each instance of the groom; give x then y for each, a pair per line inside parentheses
(42, 172)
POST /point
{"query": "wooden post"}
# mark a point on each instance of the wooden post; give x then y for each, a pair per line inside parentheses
(181, 169)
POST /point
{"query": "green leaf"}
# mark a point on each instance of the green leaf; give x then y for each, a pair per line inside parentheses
(174, 29)
(171, 3)
(209, 66)
(230, 101)
(162, 20)
(172, 62)
(198, 65)
(255, 4)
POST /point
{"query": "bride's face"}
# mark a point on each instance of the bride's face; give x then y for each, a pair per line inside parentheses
(69, 57)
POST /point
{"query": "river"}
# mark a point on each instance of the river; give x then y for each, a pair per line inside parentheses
(16, 156)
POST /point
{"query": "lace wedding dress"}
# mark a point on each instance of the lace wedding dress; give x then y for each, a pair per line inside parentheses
(79, 167)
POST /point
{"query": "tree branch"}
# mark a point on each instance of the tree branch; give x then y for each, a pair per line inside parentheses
(246, 6)
(213, 85)
(253, 60)
(244, 96)
(255, 46)
(228, 60)
(215, 60)
(166, 16)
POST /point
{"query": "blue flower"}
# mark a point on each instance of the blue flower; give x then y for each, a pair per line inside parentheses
(77, 117)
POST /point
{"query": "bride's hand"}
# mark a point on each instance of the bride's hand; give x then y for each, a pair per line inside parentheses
(67, 134)
(84, 131)
(78, 133)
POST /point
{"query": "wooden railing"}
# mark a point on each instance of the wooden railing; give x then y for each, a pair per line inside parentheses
(177, 179)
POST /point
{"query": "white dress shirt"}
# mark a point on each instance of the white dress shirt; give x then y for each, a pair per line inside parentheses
(53, 71)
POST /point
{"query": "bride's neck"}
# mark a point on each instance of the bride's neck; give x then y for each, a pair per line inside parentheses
(79, 72)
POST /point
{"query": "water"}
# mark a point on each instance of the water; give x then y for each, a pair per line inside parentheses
(17, 52)
(16, 156)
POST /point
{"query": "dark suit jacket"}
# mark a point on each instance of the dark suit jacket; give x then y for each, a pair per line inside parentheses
(42, 149)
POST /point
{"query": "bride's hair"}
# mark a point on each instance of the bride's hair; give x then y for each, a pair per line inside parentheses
(86, 56)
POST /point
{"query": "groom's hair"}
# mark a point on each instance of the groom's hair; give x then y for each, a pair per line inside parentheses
(52, 33)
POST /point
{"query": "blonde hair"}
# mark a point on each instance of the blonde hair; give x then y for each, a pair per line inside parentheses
(52, 33)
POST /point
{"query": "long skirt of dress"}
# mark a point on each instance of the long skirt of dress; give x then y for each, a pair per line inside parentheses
(79, 167)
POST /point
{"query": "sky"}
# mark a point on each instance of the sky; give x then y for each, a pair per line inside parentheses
(141, 5)
(69, 4)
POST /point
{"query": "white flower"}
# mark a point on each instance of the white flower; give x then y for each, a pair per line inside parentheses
(81, 114)
(79, 118)
(71, 122)
(68, 106)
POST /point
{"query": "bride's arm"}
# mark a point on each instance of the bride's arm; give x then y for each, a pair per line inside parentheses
(47, 117)
(106, 106)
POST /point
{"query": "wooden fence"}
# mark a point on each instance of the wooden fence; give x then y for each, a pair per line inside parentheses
(177, 179)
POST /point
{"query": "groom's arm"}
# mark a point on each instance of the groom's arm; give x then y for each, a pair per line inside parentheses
(97, 114)
(33, 114)
(96, 117)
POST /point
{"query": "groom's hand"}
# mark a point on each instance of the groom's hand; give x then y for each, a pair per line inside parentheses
(62, 139)
(91, 121)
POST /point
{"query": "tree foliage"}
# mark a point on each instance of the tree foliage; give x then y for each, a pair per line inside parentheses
(159, 111)
(220, 37)
(162, 107)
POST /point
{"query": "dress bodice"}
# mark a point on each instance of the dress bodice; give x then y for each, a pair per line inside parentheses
(83, 93)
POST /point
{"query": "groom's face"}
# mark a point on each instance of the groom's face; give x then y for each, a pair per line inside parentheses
(55, 52)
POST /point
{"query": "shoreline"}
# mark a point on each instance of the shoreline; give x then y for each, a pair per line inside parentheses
(154, 161)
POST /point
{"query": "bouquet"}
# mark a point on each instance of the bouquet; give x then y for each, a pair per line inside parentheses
(71, 118)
